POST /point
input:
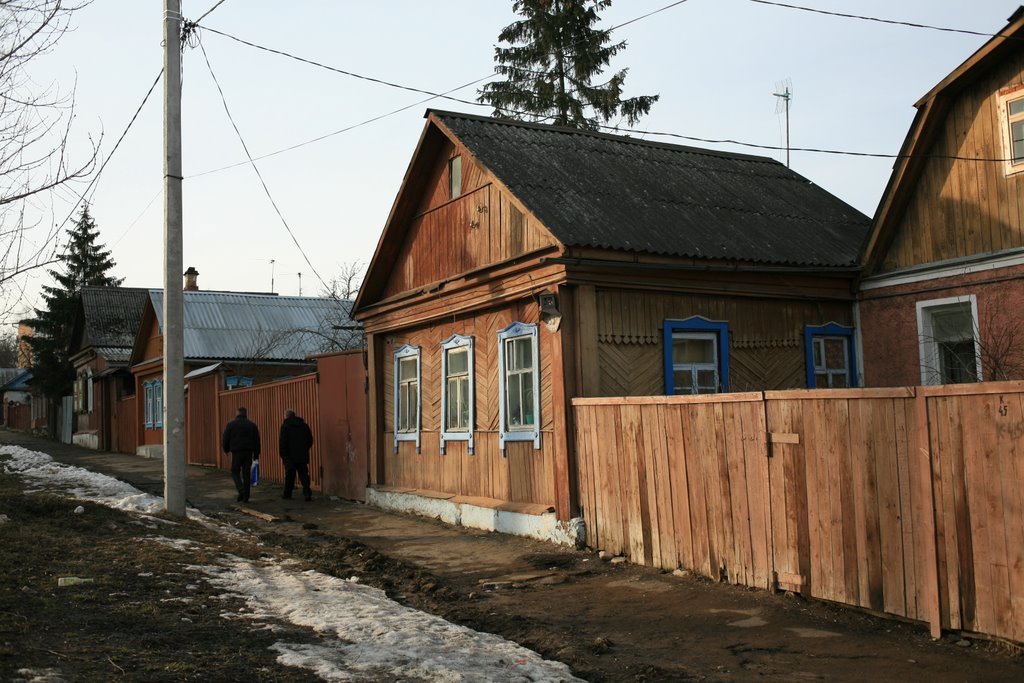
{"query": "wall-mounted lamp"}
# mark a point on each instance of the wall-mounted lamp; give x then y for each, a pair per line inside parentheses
(549, 313)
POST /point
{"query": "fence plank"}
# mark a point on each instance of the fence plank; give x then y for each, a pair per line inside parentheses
(680, 477)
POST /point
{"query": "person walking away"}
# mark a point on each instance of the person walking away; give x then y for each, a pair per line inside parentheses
(242, 439)
(295, 442)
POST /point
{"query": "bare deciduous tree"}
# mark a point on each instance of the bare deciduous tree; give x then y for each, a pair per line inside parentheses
(35, 136)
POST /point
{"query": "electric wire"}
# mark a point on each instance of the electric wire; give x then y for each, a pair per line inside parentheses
(259, 175)
(879, 20)
(207, 12)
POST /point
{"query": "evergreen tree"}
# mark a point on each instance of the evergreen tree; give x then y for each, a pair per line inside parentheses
(553, 54)
(84, 263)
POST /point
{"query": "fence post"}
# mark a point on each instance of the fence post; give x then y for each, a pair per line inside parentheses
(924, 517)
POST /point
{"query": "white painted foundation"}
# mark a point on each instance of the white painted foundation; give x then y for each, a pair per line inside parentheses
(544, 527)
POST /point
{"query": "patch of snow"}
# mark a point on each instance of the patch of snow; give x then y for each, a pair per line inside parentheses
(375, 636)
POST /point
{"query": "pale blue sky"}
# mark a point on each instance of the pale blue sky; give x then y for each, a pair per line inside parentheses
(715, 64)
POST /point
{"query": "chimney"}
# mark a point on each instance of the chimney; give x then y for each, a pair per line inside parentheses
(190, 280)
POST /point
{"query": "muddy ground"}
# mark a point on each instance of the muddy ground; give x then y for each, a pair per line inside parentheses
(609, 622)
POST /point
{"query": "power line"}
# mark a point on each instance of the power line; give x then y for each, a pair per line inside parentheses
(337, 132)
(207, 12)
(883, 21)
(95, 179)
(259, 175)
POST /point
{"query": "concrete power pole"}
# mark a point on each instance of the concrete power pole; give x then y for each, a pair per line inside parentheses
(174, 341)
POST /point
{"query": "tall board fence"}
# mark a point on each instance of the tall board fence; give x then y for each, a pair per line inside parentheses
(905, 501)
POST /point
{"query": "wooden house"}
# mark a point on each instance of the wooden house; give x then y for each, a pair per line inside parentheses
(523, 265)
(943, 284)
(102, 336)
(245, 339)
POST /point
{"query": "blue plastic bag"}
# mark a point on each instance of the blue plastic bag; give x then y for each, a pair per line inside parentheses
(255, 472)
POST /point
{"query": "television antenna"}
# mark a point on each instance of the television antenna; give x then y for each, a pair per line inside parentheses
(784, 93)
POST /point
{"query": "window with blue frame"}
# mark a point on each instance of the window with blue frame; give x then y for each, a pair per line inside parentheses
(407, 395)
(153, 403)
(457, 418)
(519, 384)
(696, 356)
(831, 363)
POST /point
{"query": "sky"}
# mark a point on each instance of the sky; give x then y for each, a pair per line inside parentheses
(362, 634)
(714, 63)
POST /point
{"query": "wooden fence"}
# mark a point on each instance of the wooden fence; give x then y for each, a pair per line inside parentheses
(125, 426)
(19, 417)
(905, 501)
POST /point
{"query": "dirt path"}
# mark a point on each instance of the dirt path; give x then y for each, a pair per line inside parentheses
(610, 622)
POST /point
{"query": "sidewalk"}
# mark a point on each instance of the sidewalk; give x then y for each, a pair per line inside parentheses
(608, 621)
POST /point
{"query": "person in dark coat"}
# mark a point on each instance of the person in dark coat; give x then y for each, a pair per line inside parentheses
(295, 442)
(242, 439)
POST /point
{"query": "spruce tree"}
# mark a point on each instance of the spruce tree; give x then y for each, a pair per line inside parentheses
(553, 55)
(83, 263)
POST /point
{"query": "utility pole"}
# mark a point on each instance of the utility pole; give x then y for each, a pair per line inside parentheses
(174, 340)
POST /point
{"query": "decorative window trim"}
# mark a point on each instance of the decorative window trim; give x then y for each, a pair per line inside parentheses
(457, 341)
(697, 324)
(830, 329)
(515, 331)
(89, 400)
(408, 351)
(153, 403)
(1011, 166)
(928, 350)
(147, 405)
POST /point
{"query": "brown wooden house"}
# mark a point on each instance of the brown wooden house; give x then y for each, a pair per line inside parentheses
(523, 265)
(943, 290)
(101, 342)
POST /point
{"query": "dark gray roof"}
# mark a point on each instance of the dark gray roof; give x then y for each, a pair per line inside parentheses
(111, 317)
(609, 191)
(230, 325)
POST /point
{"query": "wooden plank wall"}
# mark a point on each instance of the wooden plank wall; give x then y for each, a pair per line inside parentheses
(449, 237)
(765, 337)
(127, 425)
(905, 501)
(19, 417)
(202, 435)
(265, 405)
(678, 482)
(960, 207)
(977, 444)
(523, 474)
(842, 497)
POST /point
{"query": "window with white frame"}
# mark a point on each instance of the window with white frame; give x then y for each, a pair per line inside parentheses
(89, 391)
(830, 360)
(457, 410)
(1011, 117)
(519, 380)
(696, 356)
(454, 177)
(407, 395)
(948, 340)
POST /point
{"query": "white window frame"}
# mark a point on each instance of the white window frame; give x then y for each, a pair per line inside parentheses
(457, 341)
(147, 405)
(1006, 121)
(158, 403)
(928, 347)
(518, 330)
(408, 351)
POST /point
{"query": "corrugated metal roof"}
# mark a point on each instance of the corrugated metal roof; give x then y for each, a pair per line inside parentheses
(228, 325)
(609, 191)
(19, 382)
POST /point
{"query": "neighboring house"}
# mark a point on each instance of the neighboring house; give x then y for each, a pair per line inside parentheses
(523, 265)
(14, 392)
(251, 338)
(942, 294)
(102, 336)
